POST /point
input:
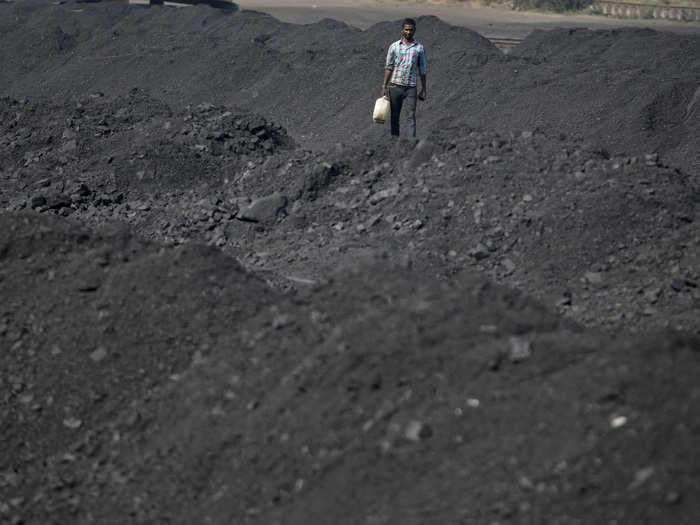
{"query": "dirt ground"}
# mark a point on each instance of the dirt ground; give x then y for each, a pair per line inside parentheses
(229, 297)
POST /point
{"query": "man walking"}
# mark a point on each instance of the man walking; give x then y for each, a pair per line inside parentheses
(405, 58)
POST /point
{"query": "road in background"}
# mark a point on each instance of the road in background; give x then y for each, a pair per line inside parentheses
(490, 22)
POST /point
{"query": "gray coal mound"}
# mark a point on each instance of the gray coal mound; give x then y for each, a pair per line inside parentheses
(195, 393)
(132, 140)
(104, 310)
(320, 80)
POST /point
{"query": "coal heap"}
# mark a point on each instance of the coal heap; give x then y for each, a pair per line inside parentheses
(229, 297)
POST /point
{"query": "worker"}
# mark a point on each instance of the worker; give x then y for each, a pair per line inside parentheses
(405, 60)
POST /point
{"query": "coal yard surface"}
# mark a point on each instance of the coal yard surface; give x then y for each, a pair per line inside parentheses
(228, 297)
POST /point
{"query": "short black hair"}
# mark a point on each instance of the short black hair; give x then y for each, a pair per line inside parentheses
(408, 22)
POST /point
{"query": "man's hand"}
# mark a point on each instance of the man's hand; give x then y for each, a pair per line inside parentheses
(385, 90)
(422, 94)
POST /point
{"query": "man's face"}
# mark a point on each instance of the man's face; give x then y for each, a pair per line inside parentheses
(407, 31)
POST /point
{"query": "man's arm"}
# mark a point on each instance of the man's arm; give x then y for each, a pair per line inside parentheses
(423, 87)
(388, 69)
(387, 76)
(422, 67)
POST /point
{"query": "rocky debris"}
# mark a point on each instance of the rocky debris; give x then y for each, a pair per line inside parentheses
(38, 201)
(519, 349)
(58, 202)
(316, 180)
(264, 208)
(593, 278)
(679, 285)
(508, 266)
(72, 423)
(99, 354)
(479, 252)
(417, 431)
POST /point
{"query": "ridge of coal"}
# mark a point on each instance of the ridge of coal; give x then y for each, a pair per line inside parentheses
(562, 219)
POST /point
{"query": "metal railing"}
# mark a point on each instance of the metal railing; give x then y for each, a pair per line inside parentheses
(632, 10)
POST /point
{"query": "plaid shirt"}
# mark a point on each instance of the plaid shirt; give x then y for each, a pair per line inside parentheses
(402, 59)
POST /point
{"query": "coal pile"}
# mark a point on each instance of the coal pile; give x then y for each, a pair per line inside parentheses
(140, 141)
(228, 297)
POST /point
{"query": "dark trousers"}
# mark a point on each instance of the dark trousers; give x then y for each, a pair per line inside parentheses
(397, 95)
